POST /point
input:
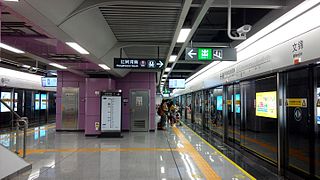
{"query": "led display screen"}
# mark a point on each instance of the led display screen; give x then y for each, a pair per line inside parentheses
(49, 82)
(219, 103)
(177, 83)
(266, 104)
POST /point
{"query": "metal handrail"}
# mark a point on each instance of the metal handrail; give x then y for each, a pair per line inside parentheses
(24, 120)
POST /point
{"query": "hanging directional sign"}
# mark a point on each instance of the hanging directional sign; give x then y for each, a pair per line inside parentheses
(211, 54)
(132, 63)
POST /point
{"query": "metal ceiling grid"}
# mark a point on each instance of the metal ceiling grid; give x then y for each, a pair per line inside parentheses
(146, 52)
(135, 23)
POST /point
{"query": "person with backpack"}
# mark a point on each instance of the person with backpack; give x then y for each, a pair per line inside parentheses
(162, 110)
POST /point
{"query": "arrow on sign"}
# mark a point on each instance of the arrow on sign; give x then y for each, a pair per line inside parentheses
(160, 64)
(191, 53)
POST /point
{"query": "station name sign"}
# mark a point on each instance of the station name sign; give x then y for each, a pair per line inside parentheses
(211, 54)
(132, 63)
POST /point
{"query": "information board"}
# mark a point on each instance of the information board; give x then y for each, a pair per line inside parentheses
(49, 81)
(177, 83)
(219, 103)
(132, 63)
(111, 112)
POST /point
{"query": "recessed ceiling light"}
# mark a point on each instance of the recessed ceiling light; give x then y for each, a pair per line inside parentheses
(77, 47)
(172, 58)
(26, 66)
(103, 66)
(165, 75)
(10, 48)
(12, 0)
(58, 66)
(167, 69)
(184, 33)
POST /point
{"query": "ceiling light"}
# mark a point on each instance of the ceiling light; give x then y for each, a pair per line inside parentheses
(172, 58)
(167, 69)
(165, 75)
(26, 66)
(10, 48)
(58, 66)
(12, 0)
(103, 66)
(54, 74)
(184, 33)
(77, 47)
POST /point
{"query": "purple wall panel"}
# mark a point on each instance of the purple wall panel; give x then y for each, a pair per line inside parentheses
(137, 81)
(92, 112)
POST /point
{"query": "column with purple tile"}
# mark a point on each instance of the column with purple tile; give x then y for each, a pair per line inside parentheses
(137, 81)
(92, 105)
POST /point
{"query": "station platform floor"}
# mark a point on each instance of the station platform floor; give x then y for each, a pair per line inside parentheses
(177, 153)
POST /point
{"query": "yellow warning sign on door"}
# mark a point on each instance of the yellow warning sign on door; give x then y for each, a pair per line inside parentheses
(296, 102)
(318, 103)
(229, 102)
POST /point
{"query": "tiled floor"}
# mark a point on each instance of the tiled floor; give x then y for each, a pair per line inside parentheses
(177, 153)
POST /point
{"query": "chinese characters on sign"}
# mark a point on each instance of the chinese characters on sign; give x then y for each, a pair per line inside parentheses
(297, 48)
(211, 54)
(128, 63)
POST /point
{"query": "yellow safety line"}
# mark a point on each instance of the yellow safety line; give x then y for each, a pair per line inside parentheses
(35, 151)
(225, 157)
(203, 165)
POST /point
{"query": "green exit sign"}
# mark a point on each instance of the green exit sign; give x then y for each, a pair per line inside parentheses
(204, 53)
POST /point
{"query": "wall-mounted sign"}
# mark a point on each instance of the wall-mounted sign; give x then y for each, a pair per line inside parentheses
(297, 51)
(211, 54)
(296, 102)
(132, 63)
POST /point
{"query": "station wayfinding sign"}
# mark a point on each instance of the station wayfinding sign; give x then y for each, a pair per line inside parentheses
(132, 63)
(211, 54)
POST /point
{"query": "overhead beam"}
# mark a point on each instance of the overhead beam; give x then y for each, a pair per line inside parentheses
(184, 12)
(193, 62)
(205, 44)
(197, 20)
(260, 4)
(182, 70)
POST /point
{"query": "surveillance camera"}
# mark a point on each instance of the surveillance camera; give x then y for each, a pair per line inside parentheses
(242, 31)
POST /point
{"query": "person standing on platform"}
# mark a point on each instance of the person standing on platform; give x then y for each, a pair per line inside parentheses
(162, 110)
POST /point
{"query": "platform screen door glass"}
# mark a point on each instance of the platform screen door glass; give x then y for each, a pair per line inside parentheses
(297, 120)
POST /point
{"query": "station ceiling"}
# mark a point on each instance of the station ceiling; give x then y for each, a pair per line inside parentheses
(132, 28)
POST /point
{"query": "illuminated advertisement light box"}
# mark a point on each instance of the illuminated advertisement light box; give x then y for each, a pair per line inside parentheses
(237, 103)
(266, 104)
(219, 103)
(37, 102)
(43, 101)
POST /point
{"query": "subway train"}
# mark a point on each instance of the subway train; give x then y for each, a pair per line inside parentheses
(266, 104)
(27, 96)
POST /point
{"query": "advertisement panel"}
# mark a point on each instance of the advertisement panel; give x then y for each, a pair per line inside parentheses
(219, 103)
(43, 101)
(37, 101)
(266, 104)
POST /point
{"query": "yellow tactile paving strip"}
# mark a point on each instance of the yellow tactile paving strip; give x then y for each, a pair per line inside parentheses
(202, 164)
